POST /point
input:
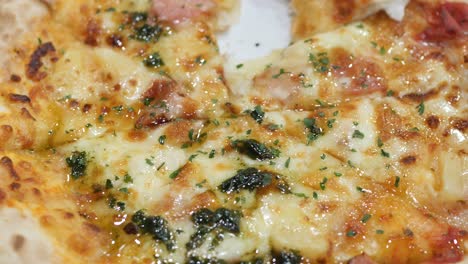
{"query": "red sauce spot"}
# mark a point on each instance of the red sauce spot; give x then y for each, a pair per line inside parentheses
(447, 21)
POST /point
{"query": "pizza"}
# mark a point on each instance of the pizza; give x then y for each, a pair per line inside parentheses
(125, 138)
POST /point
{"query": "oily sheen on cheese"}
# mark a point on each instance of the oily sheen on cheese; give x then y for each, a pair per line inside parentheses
(124, 139)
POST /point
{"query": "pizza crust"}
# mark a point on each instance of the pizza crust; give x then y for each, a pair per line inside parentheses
(14, 26)
(22, 240)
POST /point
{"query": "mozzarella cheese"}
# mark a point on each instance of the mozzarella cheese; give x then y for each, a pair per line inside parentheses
(130, 143)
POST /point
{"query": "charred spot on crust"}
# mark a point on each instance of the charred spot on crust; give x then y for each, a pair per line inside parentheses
(408, 160)
(15, 186)
(19, 98)
(35, 63)
(7, 163)
(17, 242)
(92, 33)
(160, 90)
(86, 108)
(344, 10)
(115, 41)
(15, 78)
(151, 120)
(460, 124)
(420, 97)
(3, 195)
(432, 122)
(27, 114)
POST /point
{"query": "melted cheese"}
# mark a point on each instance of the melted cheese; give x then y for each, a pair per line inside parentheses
(364, 127)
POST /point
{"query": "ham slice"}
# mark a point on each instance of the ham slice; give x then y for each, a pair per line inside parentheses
(177, 11)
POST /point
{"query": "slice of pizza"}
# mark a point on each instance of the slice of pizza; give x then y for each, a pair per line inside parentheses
(93, 66)
(423, 55)
(349, 146)
(314, 16)
(330, 185)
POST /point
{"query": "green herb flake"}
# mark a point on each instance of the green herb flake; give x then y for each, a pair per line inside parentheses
(212, 154)
(379, 231)
(78, 162)
(338, 174)
(149, 162)
(366, 218)
(160, 166)
(288, 161)
(379, 142)
(281, 72)
(384, 153)
(193, 156)
(358, 134)
(153, 60)
(301, 195)
(200, 184)
(238, 66)
(421, 108)
(162, 139)
(351, 233)
(109, 184)
(127, 178)
(175, 173)
(323, 183)
(257, 114)
(397, 181)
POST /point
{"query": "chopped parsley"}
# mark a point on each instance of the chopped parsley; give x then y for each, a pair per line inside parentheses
(153, 60)
(351, 233)
(215, 222)
(379, 142)
(127, 178)
(78, 162)
(320, 61)
(314, 130)
(281, 72)
(384, 153)
(288, 161)
(397, 181)
(257, 114)
(365, 218)
(109, 184)
(147, 33)
(155, 226)
(175, 173)
(421, 108)
(149, 162)
(247, 179)
(323, 182)
(255, 149)
(212, 154)
(358, 134)
(162, 139)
